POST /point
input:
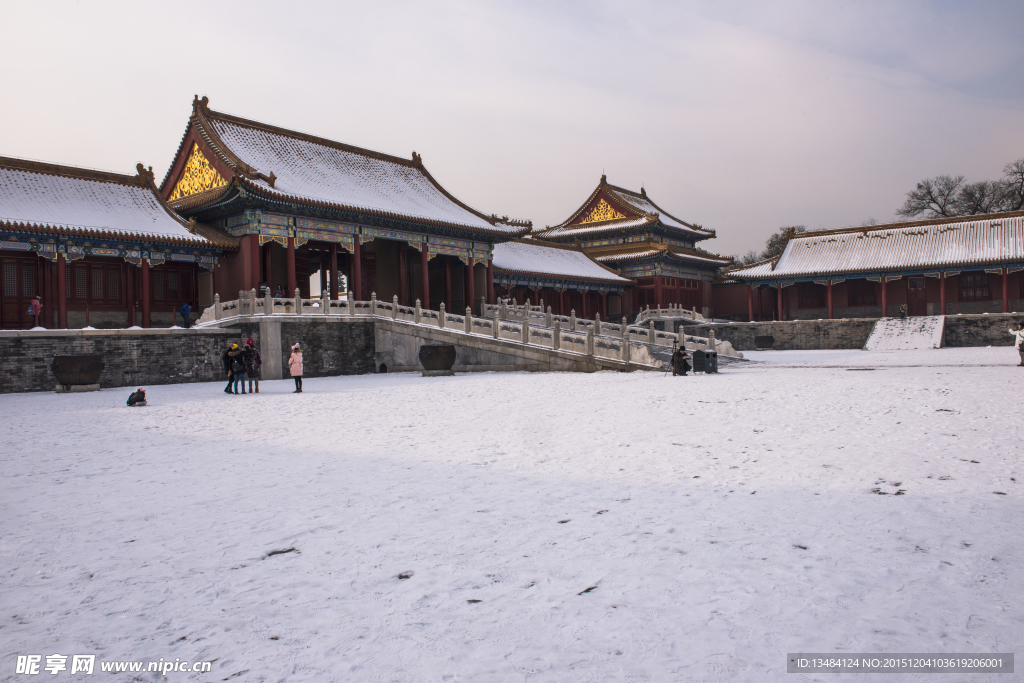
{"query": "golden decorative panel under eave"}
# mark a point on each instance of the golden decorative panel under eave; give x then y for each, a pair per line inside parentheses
(602, 212)
(198, 176)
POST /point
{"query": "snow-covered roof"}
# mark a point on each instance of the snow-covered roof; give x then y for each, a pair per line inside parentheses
(635, 251)
(586, 229)
(529, 256)
(36, 194)
(285, 163)
(995, 238)
(635, 210)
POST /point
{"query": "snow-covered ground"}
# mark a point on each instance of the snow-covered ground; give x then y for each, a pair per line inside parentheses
(553, 527)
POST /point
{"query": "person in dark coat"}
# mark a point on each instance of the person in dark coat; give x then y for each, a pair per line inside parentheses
(186, 311)
(229, 362)
(253, 364)
(680, 366)
(237, 366)
(137, 399)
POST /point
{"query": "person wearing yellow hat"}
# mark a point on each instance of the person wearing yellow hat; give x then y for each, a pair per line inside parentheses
(229, 358)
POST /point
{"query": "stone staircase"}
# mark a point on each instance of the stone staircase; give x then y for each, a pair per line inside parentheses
(906, 334)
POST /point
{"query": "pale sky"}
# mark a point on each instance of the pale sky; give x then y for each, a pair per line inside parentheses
(740, 116)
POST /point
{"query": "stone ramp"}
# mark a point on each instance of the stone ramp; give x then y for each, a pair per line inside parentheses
(906, 334)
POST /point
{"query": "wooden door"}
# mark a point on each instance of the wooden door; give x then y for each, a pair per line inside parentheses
(917, 301)
(368, 267)
(18, 289)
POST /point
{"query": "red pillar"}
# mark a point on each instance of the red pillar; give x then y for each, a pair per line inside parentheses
(779, 292)
(760, 311)
(62, 293)
(942, 294)
(750, 303)
(254, 262)
(401, 274)
(356, 286)
(470, 285)
(129, 288)
(424, 261)
(657, 290)
(490, 283)
(885, 298)
(291, 267)
(604, 306)
(334, 272)
(830, 300)
(447, 282)
(561, 302)
(1006, 290)
(216, 279)
(144, 274)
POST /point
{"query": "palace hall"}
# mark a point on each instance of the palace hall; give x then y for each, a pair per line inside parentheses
(101, 249)
(299, 204)
(970, 264)
(560, 277)
(627, 231)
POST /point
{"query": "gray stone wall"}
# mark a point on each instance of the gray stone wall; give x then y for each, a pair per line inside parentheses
(329, 348)
(398, 348)
(980, 330)
(848, 333)
(131, 357)
(852, 333)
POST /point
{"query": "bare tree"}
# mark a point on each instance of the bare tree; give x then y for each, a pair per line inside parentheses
(944, 196)
(1013, 179)
(986, 196)
(751, 256)
(933, 197)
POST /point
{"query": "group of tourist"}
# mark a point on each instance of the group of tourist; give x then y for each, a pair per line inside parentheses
(241, 363)
(244, 362)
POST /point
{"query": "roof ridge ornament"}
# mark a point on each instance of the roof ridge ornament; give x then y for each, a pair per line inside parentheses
(417, 160)
(200, 105)
(145, 175)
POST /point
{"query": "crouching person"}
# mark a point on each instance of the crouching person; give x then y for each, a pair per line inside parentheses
(137, 399)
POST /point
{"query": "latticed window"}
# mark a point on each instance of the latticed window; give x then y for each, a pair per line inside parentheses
(113, 284)
(81, 282)
(158, 285)
(861, 293)
(97, 283)
(811, 295)
(10, 279)
(974, 287)
(93, 283)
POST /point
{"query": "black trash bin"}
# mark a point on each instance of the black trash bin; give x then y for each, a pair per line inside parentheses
(705, 361)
